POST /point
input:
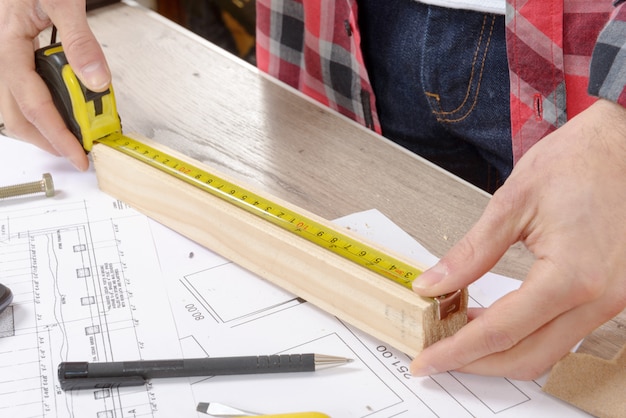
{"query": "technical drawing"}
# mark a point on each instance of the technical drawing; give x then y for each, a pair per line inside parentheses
(214, 288)
(74, 300)
(95, 281)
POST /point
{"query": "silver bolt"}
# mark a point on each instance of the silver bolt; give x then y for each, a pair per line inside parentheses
(45, 185)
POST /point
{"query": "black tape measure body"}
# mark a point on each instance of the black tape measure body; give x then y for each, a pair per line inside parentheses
(89, 115)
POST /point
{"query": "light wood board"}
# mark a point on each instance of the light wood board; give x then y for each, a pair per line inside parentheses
(378, 306)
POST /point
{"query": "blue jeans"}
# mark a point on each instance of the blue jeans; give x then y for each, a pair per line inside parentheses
(442, 85)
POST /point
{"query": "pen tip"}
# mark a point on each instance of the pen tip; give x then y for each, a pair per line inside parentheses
(323, 361)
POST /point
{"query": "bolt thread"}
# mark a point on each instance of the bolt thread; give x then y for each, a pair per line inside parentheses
(21, 189)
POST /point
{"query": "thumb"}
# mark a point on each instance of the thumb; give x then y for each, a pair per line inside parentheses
(80, 45)
(475, 254)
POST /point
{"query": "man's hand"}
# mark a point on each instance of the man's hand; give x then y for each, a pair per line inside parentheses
(566, 201)
(25, 102)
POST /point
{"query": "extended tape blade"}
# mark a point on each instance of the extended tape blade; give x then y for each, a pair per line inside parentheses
(333, 240)
(329, 238)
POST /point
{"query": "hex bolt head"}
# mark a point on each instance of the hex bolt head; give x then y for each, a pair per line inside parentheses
(48, 185)
(45, 185)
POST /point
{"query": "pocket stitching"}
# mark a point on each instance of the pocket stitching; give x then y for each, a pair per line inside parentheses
(441, 114)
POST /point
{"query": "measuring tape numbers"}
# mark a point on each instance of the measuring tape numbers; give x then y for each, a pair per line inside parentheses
(307, 228)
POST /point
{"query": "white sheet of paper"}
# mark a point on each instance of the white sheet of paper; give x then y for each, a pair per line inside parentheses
(96, 281)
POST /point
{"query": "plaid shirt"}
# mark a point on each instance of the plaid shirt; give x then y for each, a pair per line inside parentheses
(314, 46)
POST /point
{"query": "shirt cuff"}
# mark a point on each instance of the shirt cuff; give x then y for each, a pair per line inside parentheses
(607, 78)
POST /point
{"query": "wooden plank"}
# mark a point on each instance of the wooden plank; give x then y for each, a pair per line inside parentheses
(376, 305)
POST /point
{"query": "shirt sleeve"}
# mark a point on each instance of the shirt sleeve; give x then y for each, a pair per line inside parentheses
(607, 78)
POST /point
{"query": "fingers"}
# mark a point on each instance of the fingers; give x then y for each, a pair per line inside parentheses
(39, 123)
(18, 127)
(81, 48)
(501, 327)
(526, 331)
(30, 113)
(478, 251)
(534, 355)
(26, 105)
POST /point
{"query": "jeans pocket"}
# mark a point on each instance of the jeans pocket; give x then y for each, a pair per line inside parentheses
(454, 64)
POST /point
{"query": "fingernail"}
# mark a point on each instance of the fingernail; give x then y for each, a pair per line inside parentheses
(95, 76)
(431, 277)
(79, 164)
(421, 371)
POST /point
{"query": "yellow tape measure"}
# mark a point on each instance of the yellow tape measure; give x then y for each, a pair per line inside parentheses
(92, 117)
(273, 212)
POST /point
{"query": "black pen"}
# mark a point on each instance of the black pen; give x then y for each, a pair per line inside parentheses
(84, 375)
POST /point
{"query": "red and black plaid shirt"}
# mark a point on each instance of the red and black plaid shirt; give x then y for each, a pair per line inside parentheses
(314, 46)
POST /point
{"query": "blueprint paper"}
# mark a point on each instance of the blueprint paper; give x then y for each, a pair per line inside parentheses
(96, 281)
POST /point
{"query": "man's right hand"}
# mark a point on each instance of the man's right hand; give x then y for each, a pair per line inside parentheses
(25, 102)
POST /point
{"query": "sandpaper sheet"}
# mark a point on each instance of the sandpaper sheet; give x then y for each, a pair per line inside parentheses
(594, 385)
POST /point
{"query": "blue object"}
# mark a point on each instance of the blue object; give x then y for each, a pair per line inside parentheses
(441, 81)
